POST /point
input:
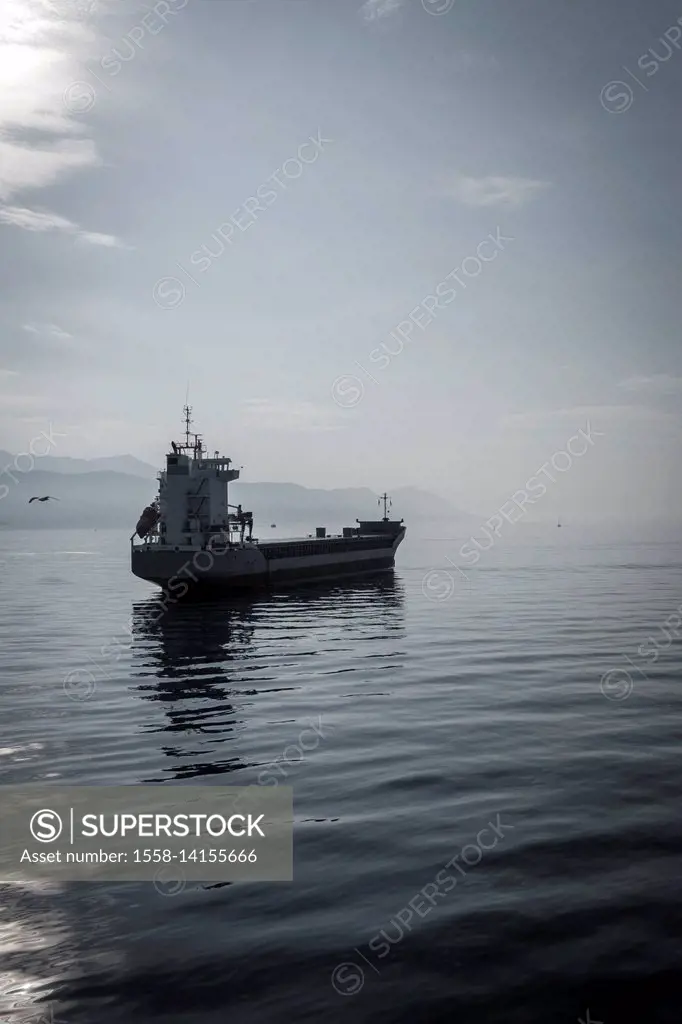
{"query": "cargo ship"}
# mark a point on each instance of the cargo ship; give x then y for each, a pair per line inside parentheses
(190, 538)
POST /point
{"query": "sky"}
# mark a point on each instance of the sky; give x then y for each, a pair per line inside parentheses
(405, 242)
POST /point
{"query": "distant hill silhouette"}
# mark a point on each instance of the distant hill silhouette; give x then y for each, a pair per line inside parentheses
(102, 493)
(113, 463)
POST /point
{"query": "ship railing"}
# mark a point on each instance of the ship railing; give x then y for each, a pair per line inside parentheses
(151, 539)
(217, 541)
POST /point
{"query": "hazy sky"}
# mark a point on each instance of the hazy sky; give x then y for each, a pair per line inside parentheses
(480, 139)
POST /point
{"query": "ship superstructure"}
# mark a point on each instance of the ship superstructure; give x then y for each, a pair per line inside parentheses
(191, 537)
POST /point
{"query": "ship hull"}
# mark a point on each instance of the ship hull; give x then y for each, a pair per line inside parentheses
(184, 571)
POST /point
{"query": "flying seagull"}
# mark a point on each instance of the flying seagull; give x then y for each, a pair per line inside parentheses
(48, 497)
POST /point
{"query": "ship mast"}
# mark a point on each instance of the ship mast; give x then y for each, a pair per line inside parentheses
(193, 442)
(387, 504)
(188, 423)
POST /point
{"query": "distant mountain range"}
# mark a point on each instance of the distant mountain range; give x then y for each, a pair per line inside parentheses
(127, 464)
(111, 492)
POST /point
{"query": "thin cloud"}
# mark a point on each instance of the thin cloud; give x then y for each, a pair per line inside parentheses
(581, 413)
(300, 415)
(43, 220)
(27, 167)
(495, 191)
(40, 44)
(376, 10)
(97, 238)
(657, 384)
(49, 330)
(25, 402)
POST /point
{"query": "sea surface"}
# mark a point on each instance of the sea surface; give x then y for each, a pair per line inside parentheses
(519, 719)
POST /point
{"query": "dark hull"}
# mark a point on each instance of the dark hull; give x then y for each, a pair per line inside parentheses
(284, 578)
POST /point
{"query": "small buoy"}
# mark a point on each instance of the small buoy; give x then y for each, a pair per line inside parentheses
(273, 526)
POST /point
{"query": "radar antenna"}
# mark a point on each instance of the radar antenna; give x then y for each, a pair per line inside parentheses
(387, 504)
(188, 423)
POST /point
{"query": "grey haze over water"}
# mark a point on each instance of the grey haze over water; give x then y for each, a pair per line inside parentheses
(485, 773)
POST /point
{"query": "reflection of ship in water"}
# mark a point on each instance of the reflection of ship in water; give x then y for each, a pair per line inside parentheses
(215, 666)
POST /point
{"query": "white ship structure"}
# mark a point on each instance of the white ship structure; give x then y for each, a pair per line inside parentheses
(191, 538)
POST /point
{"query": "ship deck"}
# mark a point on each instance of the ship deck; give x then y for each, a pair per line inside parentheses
(281, 547)
(301, 547)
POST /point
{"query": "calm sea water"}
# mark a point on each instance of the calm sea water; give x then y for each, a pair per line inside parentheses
(511, 720)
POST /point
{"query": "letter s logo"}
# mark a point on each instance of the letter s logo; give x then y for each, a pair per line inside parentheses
(270, 781)
(46, 826)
